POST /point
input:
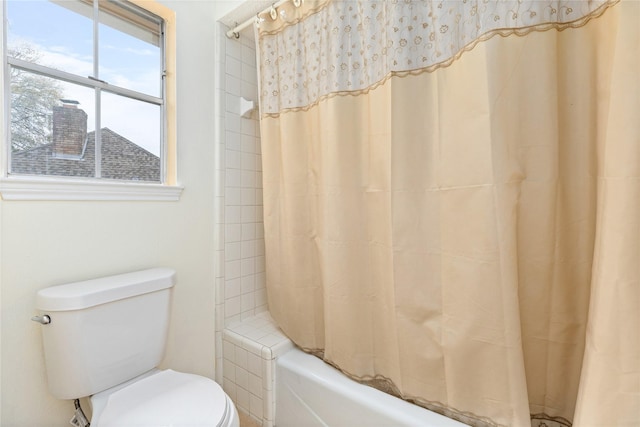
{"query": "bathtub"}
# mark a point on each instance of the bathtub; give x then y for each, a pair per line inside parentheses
(312, 393)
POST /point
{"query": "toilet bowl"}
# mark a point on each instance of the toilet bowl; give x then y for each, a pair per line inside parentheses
(121, 323)
(164, 398)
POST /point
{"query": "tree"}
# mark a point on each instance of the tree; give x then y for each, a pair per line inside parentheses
(32, 100)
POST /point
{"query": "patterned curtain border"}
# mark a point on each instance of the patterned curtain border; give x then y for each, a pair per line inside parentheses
(270, 68)
(386, 385)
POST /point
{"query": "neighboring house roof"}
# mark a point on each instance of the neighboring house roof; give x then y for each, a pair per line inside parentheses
(121, 159)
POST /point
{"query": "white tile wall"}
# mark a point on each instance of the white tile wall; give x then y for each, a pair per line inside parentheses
(244, 233)
(238, 164)
(241, 365)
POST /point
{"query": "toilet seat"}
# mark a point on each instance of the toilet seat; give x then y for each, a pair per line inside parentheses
(164, 398)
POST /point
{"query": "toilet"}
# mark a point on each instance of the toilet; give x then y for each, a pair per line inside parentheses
(105, 338)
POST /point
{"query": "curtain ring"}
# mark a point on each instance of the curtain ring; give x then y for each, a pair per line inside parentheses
(273, 13)
(236, 34)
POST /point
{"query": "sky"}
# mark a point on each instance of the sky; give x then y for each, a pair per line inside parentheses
(64, 40)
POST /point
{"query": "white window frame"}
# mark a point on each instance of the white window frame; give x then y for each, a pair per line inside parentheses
(34, 187)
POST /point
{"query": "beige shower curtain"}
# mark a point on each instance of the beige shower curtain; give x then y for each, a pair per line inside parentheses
(461, 224)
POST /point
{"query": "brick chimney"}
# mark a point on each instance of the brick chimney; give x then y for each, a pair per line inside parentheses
(69, 129)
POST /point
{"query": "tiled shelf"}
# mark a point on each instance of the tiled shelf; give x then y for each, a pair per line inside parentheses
(250, 348)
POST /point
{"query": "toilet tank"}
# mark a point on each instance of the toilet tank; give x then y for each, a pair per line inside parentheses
(104, 331)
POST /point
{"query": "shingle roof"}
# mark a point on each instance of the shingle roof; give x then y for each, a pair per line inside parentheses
(121, 159)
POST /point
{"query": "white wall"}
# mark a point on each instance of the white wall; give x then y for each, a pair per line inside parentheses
(224, 7)
(48, 243)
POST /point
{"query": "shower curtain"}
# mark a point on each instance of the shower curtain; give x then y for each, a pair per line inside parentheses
(452, 201)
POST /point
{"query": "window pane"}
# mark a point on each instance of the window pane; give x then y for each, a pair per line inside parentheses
(129, 49)
(55, 34)
(54, 117)
(130, 139)
(52, 123)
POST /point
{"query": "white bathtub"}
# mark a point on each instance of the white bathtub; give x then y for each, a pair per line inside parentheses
(310, 393)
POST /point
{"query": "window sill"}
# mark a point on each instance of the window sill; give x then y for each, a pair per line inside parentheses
(35, 188)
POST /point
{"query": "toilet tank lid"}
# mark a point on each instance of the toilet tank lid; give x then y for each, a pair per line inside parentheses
(88, 293)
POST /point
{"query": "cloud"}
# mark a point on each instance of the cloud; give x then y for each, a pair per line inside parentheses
(129, 50)
(135, 120)
(60, 59)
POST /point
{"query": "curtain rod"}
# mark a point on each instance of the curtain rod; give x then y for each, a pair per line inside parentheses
(273, 13)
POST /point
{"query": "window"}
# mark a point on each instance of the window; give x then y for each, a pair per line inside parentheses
(89, 86)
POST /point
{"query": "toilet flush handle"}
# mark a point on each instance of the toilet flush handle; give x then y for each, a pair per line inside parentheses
(44, 319)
